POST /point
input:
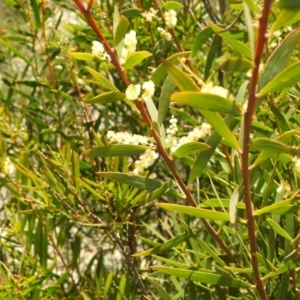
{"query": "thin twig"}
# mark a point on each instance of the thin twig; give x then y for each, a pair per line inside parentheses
(248, 117)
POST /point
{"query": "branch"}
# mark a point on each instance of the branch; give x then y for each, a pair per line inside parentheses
(145, 116)
(248, 117)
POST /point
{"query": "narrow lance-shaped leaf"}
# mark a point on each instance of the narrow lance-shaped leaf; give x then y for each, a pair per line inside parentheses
(196, 212)
(102, 80)
(285, 18)
(201, 38)
(161, 291)
(274, 146)
(105, 98)
(115, 150)
(136, 58)
(164, 99)
(287, 78)
(190, 148)
(235, 64)
(238, 46)
(165, 246)
(205, 101)
(121, 30)
(82, 56)
(137, 181)
(160, 72)
(280, 57)
(278, 229)
(172, 5)
(204, 277)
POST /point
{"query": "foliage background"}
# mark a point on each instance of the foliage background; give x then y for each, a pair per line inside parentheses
(68, 232)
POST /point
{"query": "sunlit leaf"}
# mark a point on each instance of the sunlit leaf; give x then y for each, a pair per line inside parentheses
(287, 78)
(203, 277)
(102, 80)
(196, 212)
(136, 58)
(105, 98)
(205, 101)
(190, 148)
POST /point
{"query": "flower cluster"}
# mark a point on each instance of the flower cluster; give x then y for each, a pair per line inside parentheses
(197, 133)
(99, 51)
(150, 14)
(297, 165)
(145, 161)
(171, 141)
(133, 91)
(165, 34)
(8, 168)
(127, 138)
(283, 190)
(129, 47)
(170, 18)
(215, 90)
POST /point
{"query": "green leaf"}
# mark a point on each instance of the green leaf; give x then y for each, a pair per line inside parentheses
(121, 30)
(164, 99)
(205, 101)
(102, 80)
(211, 54)
(280, 57)
(172, 5)
(287, 78)
(201, 38)
(36, 11)
(161, 291)
(280, 119)
(115, 150)
(235, 64)
(137, 181)
(273, 146)
(181, 80)
(286, 18)
(165, 246)
(231, 41)
(289, 4)
(82, 56)
(132, 12)
(279, 208)
(278, 229)
(220, 203)
(108, 283)
(291, 265)
(189, 149)
(213, 141)
(196, 212)
(15, 51)
(203, 277)
(121, 287)
(164, 189)
(284, 138)
(135, 58)
(160, 72)
(105, 98)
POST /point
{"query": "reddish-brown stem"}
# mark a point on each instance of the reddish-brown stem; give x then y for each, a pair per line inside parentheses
(249, 114)
(147, 120)
(114, 59)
